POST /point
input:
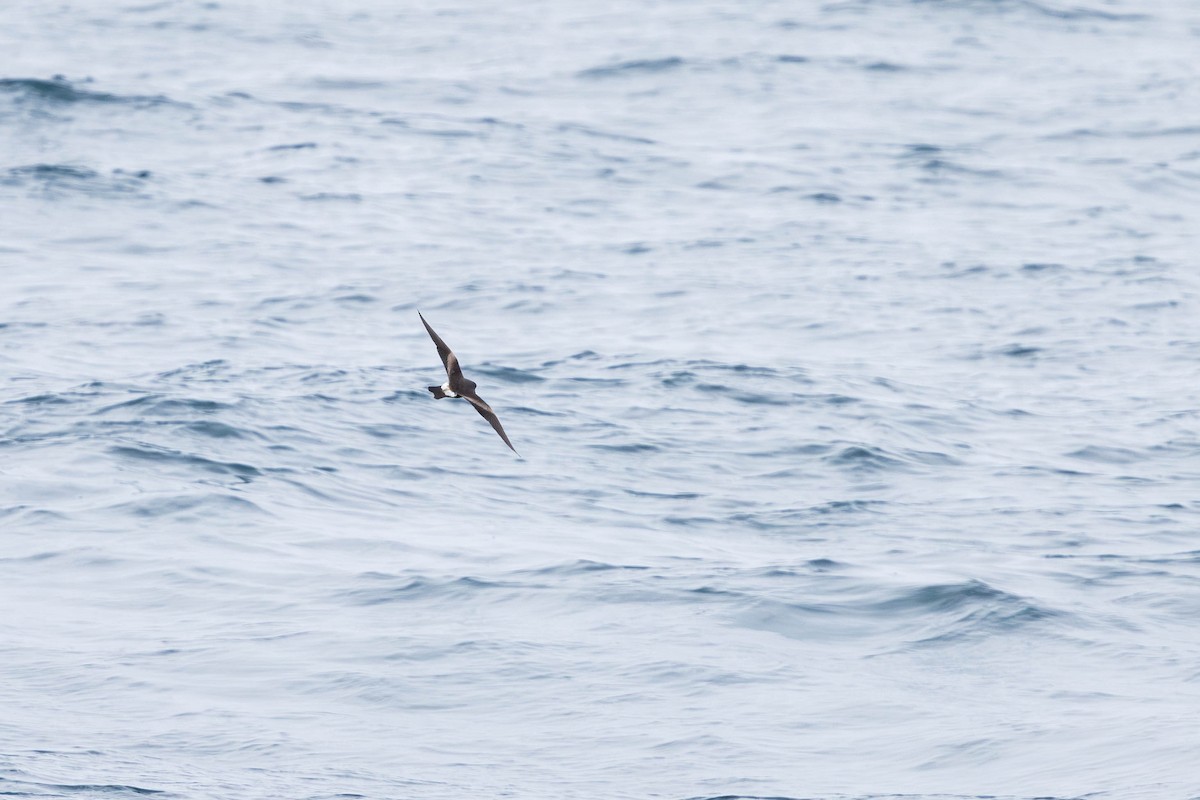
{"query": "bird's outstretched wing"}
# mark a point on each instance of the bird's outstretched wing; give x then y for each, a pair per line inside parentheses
(486, 412)
(449, 360)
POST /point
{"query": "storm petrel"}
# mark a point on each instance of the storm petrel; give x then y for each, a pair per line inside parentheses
(458, 386)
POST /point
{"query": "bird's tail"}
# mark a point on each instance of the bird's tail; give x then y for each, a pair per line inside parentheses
(438, 394)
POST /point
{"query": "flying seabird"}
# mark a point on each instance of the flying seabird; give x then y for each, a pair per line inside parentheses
(458, 386)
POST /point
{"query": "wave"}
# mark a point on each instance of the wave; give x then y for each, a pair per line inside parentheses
(60, 91)
(396, 589)
(923, 616)
(190, 506)
(646, 66)
(189, 461)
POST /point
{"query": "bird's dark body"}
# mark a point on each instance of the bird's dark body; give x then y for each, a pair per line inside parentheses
(464, 386)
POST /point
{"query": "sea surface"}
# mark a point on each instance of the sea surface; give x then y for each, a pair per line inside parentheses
(851, 350)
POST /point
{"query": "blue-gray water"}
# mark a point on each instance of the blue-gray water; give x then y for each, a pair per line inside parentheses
(851, 349)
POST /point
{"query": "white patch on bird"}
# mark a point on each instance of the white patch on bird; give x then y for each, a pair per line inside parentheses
(446, 389)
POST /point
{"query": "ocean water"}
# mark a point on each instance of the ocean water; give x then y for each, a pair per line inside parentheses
(850, 348)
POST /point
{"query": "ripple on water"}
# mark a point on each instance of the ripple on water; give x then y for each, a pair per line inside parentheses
(74, 178)
(159, 405)
(188, 462)
(917, 616)
(418, 589)
(60, 91)
(1107, 455)
(864, 458)
(192, 507)
(648, 66)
